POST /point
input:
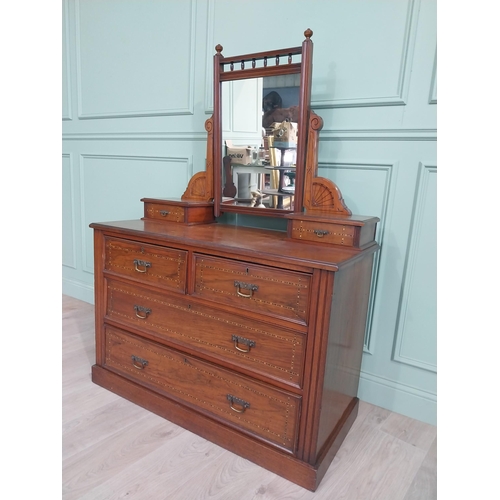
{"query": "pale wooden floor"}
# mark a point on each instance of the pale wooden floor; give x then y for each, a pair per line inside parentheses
(114, 449)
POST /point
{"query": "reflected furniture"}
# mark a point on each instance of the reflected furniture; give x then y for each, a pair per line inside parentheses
(249, 337)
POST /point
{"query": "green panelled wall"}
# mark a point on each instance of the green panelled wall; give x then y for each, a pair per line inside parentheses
(137, 89)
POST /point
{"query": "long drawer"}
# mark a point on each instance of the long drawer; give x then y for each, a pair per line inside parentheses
(265, 290)
(151, 264)
(261, 347)
(263, 411)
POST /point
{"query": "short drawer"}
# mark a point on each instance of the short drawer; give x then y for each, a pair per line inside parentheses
(183, 212)
(261, 347)
(266, 290)
(164, 212)
(263, 411)
(147, 263)
(334, 234)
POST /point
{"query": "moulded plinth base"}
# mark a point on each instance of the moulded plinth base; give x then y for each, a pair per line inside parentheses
(275, 460)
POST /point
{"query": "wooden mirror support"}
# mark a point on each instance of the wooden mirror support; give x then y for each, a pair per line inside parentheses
(251, 338)
(320, 195)
(258, 65)
(314, 195)
(201, 185)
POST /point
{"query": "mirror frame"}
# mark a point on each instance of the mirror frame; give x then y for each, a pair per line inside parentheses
(304, 68)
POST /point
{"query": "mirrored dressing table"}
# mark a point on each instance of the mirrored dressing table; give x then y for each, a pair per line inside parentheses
(251, 338)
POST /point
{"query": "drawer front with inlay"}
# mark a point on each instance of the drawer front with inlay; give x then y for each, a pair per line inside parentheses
(151, 264)
(266, 290)
(262, 410)
(337, 234)
(257, 346)
(164, 212)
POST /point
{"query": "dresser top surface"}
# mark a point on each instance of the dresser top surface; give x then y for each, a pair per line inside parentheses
(244, 241)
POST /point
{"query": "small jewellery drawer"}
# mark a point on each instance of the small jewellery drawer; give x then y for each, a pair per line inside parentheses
(266, 290)
(184, 212)
(147, 263)
(336, 234)
(262, 410)
(257, 346)
(164, 212)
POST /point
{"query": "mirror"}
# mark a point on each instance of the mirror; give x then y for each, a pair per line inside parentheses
(259, 134)
(261, 111)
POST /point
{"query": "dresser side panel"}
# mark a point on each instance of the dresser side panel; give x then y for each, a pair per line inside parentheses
(344, 352)
(99, 295)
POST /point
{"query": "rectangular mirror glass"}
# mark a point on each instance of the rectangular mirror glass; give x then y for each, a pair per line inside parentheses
(259, 132)
(260, 127)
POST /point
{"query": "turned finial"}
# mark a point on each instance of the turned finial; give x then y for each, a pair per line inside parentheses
(218, 48)
(308, 33)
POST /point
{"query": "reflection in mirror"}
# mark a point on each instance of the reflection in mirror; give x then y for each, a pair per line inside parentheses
(259, 131)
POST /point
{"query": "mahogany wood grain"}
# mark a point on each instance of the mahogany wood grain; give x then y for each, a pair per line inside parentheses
(311, 365)
(180, 211)
(262, 349)
(316, 364)
(269, 457)
(99, 294)
(260, 72)
(320, 194)
(112, 448)
(267, 290)
(304, 112)
(251, 338)
(270, 54)
(164, 267)
(344, 348)
(259, 409)
(160, 337)
(201, 185)
(217, 134)
(261, 245)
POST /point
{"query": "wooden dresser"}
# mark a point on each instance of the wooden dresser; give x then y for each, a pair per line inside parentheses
(251, 338)
(244, 336)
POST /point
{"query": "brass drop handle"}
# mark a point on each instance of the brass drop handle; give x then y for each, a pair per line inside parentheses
(138, 363)
(143, 264)
(144, 311)
(320, 233)
(240, 402)
(242, 340)
(164, 213)
(246, 286)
